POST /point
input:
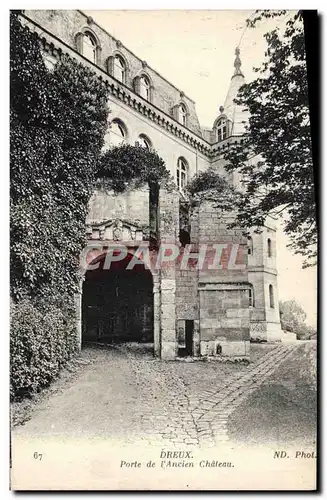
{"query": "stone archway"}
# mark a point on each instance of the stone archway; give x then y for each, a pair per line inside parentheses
(117, 303)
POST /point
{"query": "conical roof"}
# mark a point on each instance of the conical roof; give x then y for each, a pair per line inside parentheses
(234, 112)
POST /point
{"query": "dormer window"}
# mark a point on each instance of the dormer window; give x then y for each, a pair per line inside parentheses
(182, 114)
(222, 129)
(87, 44)
(145, 88)
(119, 69)
(90, 47)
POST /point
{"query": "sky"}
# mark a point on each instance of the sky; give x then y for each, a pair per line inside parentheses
(195, 51)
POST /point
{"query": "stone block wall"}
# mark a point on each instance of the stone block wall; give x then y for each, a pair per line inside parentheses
(223, 290)
(132, 205)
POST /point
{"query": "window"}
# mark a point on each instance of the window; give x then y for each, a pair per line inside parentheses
(145, 88)
(144, 142)
(119, 69)
(251, 297)
(269, 247)
(181, 174)
(89, 47)
(222, 129)
(182, 114)
(117, 133)
(250, 245)
(271, 296)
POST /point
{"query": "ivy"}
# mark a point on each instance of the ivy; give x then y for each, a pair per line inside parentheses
(209, 185)
(58, 120)
(126, 165)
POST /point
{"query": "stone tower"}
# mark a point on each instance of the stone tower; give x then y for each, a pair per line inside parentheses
(229, 128)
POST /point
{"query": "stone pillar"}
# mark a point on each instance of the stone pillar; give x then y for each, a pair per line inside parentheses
(196, 338)
(168, 319)
(156, 315)
(78, 306)
(169, 231)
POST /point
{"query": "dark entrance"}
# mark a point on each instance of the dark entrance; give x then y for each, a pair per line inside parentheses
(189, 328)
(117, 304)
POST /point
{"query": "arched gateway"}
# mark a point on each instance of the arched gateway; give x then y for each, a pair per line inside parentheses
(117, 302)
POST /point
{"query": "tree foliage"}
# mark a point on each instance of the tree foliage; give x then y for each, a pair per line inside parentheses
(211, 186)
(127, 165)
(292, 315)
(293, 319)
(275, 160)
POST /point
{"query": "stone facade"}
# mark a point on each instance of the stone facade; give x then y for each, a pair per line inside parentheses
(199, 311)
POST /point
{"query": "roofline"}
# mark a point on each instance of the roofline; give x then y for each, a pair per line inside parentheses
(155, 71)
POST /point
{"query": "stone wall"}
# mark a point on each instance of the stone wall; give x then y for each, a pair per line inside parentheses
(223, 290)
(265, 320)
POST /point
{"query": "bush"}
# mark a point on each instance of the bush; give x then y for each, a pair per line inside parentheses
(41, 343)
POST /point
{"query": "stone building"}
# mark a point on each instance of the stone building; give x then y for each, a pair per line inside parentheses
(192, 309)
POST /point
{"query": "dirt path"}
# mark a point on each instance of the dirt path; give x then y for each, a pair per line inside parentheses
(126, 395)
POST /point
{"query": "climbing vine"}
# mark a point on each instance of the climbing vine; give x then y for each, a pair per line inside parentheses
(126, 165)
(58, 120)
(209, 185)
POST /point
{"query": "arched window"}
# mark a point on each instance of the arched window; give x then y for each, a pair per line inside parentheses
(271, 296)
(269, 247)
(119, 69)
(144, 141)
(251, 296)
(90, 47)
(117, 133)
(181, 173)
(145, 87)
(182, 114)
(250, 245)
(222, 129)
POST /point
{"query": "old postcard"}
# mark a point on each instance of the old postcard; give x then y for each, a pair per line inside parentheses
(163, 250)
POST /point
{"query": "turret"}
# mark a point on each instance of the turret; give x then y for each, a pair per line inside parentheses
(231, 118)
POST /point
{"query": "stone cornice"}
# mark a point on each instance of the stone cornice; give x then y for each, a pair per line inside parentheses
(56, 47)
(262, 269)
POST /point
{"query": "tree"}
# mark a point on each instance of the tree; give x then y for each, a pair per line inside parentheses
(275, 159)
(292, 316)
(57, 124)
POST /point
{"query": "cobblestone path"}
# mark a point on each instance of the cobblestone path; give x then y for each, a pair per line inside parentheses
(131, 397)
(212, 411)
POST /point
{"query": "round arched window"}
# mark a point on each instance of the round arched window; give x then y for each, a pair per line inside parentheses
(89, 47)
(144, 141)
(145, 87)
(181, 173)
(119, 69)
(117, 133)
(222, 129)
(271, 296)
(182, 114)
